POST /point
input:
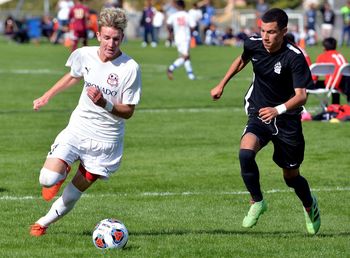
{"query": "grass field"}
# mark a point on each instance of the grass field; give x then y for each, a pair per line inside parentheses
(179, 189)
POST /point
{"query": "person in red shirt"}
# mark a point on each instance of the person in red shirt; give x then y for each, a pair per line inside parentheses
(78, 17)
(331, 55)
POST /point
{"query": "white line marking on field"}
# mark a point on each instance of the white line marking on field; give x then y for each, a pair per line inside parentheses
(161, 194)
(189, 110)
(31, 71)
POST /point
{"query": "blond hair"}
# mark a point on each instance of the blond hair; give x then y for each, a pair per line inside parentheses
(112, 17)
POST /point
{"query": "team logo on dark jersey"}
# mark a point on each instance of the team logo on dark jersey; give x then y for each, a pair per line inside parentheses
(113, 80)
(278, 68)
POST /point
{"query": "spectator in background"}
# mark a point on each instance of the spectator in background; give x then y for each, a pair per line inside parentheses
(169, 8)
(328, 19)
(345, 12)
(196, 13)
(158, 21)
(78, 19)
(147, 24)
(330, 55)
(63, 7)
(228, 38)
(241, 37)
(21, 34)
(10, 26)
(212, 36)
(208, 12)
(261, 8)
(47, 27)
(310, 21)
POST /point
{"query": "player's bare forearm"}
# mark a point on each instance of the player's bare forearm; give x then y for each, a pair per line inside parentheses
(123, 110)
(237, 65)
(65, 82)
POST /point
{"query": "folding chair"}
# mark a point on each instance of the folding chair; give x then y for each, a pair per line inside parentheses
(344, 70)
(323, 69)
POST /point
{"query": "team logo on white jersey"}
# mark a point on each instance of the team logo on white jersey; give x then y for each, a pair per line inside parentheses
(113, 80)
(278, 68)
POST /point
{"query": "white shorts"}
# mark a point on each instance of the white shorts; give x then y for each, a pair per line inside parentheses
(97, 157)
(183, 47)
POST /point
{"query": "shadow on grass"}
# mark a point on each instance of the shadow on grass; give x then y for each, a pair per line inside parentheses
(279, 234)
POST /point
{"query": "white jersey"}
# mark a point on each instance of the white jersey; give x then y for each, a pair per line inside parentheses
(182, 23)
(196, 14)
(64, 7)
(120, 83)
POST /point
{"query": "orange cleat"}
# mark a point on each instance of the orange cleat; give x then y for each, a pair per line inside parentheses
(37, 230)
(48, 193)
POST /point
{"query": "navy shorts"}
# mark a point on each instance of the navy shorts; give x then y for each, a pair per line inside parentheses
(286, 133)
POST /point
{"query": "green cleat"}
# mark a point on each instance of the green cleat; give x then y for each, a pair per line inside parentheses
(255, 210)
(313, 218)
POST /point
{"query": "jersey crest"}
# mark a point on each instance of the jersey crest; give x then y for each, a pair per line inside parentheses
(278, 67)
(113, 80)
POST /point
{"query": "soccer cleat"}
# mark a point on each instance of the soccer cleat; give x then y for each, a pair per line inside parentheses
(37, 230)
(255, 210)
(48, 193)
(170, 74)
(312, 217)
(191, 76)
(144, 44)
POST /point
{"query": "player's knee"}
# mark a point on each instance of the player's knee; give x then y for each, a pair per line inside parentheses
(49, 178)
(246, 158)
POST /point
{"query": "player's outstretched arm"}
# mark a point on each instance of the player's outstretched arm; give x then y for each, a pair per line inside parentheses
(237, 65)
(65, 82)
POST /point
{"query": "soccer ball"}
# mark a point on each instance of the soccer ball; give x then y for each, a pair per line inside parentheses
(110, 233)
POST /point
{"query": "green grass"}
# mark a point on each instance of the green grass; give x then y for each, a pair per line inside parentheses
(179, 189)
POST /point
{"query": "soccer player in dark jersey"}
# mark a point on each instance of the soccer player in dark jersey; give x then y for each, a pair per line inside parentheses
(273, 104)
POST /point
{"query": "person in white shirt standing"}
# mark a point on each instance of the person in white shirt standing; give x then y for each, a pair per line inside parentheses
(196, 13)
(182, 24)
(158, 21)
(94, 135)
(63, 7)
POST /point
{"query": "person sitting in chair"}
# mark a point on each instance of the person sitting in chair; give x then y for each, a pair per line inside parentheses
(331, 55)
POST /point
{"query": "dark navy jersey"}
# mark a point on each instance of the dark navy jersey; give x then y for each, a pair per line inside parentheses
(276, 75)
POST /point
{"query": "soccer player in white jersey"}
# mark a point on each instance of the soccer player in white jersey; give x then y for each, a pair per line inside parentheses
(95, 132)
(181, 23)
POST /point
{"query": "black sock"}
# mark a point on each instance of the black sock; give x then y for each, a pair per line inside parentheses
(301, 188)
(250, 173)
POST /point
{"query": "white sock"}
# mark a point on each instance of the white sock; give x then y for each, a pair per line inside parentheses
(177, 63)
(188, 66)
(49, 178)
(61, 206)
